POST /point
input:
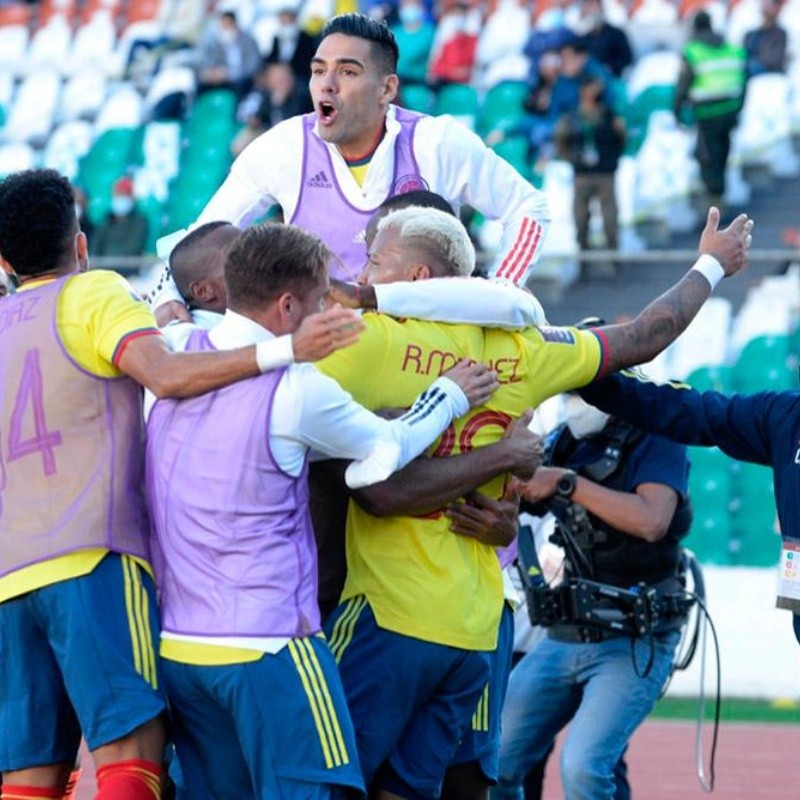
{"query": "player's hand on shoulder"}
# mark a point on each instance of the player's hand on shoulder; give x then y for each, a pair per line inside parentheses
(730, 245)
(477, 381)
(320, 334)
(172, 311)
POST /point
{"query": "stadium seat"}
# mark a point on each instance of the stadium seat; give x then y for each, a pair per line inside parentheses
(93, 45)
(53, 8)
(170, 81)
(659, 68)
(704, 343)
(710, 379)
(139, 10)
(68, 143)
(91, 7)
(214, 104)
(110, 156)
(32, 114)
(743, 17)
(122, 109)
(83, 95)
(458, 100)
(764, 364)
(764, 131)
(13, 46)
(15, 14)
(754, 540)
(418, 98)
(50, 45)
(515, 150)
(6, 88)
(16, 156)
(502, 107)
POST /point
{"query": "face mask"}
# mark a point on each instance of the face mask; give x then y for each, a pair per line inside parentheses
(411, 15)
(582, 419)
(289, 31)
(121, 205)
(227, 36)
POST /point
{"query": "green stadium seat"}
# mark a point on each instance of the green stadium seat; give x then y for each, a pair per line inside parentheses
(754, 541)
(637, 114)
(710, 538)
(460, 100)
(214, 103)
(705, 379)
(418, 97)
(502, 107)
(515, 150)
(765, 363)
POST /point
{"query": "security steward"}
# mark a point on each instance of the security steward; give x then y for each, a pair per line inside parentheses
(613, 623)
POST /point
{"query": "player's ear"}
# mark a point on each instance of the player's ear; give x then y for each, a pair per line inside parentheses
(82, 251)
(420, 272)
(390, 85)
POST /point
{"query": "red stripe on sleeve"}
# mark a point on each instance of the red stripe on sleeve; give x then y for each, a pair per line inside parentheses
(126, 340)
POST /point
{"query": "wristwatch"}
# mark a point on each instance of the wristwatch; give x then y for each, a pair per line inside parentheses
(565, 486)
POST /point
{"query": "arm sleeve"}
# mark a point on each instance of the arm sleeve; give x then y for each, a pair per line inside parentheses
(738, 424)
(461, 300)
(658, 460)
(331, 422)
(473, 174)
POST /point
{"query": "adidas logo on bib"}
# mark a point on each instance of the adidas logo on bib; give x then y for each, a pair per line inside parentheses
(319, 181)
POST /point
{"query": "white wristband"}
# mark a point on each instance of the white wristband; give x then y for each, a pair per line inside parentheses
(274, 353)
(710, 269)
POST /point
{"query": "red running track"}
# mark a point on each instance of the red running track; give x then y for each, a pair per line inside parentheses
(754, 761)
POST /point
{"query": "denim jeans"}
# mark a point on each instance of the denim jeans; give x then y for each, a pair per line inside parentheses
(596, 689)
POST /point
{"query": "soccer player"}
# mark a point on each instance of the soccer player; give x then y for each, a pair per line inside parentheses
(329, 170)
(77, 605)
(421, 605)
(258, 707)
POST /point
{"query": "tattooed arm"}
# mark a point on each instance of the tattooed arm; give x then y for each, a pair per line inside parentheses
(669, 315)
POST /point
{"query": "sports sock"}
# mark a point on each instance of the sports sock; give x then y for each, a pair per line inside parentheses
(135, 779)
(28, 793)
(72, 784)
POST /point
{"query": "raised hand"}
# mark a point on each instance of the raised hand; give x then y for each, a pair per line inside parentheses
(320, 334)
(728, 246)
(476, 380)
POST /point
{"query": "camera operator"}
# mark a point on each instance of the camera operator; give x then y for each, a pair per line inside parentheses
(601, 680)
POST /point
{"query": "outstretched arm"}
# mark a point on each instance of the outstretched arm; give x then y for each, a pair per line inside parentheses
(722, 253)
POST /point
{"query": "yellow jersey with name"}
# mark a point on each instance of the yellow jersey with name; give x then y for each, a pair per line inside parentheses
(420, 579)
(96, 316)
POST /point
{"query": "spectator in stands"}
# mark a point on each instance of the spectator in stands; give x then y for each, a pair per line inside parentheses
(414, 33)
(276, 97)
(712, 82)
(81, 204)
(576, 64)
(606, 43)
(124, 231)
(766, 45)
(293, 46)
(454, 45)
(591, 139)
(229, 58)
(538, 124)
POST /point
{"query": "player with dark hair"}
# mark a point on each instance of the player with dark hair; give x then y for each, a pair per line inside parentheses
(258, 707)
(77, 604)
(329, 170)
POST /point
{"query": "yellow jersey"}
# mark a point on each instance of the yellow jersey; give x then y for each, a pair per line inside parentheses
(97, 315)
(420, 579)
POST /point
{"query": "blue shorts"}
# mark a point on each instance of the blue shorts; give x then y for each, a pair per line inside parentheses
(411, 700)
(79, 655)
(481, 742)
(273, 728)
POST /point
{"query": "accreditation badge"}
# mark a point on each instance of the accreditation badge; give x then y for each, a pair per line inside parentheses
(789, 576)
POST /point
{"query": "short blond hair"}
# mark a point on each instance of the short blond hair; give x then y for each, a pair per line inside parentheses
(441, 236)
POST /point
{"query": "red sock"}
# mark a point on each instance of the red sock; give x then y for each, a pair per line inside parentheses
(72, 784)
(135, 779)
(28, 793)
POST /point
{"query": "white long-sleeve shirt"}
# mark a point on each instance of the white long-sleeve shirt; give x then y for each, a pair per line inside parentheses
(452, 159)
(311, 411)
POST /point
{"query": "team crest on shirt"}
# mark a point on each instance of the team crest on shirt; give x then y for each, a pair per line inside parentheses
(409, 183)
(559, 335)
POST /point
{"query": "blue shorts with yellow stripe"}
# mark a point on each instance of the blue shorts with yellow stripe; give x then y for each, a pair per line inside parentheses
(481, 742)
(277, 727)
(411, 700)
(78, 656)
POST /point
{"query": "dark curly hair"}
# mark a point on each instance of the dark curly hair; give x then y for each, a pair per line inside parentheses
(37, 221)
(270, 259)
(383, 45)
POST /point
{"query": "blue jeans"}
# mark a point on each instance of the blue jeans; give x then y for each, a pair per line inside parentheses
(595, 688)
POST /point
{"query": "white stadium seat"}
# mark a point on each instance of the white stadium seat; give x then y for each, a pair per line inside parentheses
(68, 143)
(32, 114)
(122, 109)
(83, 95)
